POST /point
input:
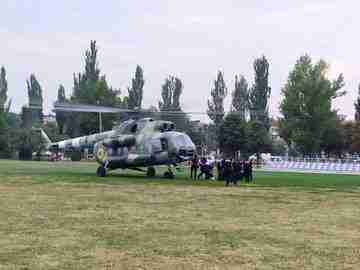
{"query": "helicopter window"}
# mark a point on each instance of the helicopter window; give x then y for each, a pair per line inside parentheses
(134, 128)
(183, 140)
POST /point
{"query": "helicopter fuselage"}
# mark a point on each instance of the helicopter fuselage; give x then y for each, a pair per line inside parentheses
(135, 143)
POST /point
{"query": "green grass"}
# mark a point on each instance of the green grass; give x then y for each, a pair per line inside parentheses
(84, 172)
(61, 216)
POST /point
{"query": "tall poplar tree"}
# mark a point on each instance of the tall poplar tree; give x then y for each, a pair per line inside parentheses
(91, 88)
(3, 124)
(357, 107)
(260, 93)
(136, 90)
(34, 92)
(3, 90)
(33, 115)
(240, 97)
(215, 109)
(171, 92)
(61, 116)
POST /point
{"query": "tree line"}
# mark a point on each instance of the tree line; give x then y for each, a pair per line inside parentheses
(308, 123)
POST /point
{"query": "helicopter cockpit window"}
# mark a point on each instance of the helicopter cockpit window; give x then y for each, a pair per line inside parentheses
(167, 127)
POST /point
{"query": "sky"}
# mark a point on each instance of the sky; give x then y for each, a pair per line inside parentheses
(188, 39)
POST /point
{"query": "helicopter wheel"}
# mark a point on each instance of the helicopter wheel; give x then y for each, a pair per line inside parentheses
(150, 172)
(76, 156)
(101, 171)
(169, 175)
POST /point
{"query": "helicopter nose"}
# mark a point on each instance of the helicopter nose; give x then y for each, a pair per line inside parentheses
(184, 147)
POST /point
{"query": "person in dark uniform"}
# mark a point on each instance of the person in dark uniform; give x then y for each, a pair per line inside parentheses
(208, 171)
(233, 171)
(241, 170)
(202, 167)
(236, 171)
(246, 171)
(219, 170)
(250, 171)
(227, 172)
(194, 167)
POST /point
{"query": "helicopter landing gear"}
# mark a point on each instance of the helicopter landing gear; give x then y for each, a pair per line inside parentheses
(75, 156)
(101, 171)
(169, 174)
(150, 172)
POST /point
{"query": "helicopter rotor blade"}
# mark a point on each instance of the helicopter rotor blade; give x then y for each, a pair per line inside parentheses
(73, 107)
(70, 107)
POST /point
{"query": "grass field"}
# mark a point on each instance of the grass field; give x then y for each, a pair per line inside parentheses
(61, 216)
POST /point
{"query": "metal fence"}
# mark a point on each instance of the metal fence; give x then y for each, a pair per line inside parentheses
(314, 164)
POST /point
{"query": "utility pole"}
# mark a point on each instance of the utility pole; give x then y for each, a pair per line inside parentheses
(100, 118)
(100, 123)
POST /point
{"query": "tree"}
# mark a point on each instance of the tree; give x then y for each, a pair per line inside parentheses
(240, 97)
(136, 91)
(33, 115)
(260, 93)
(51, 129)
(26, 141)
(34, 92)
(3, 99)
(91, 88)
(335, 140)
(233, 137)
(4, 108)
(216, 103)
(259, 140)
(85, 83)
(355, 138)
(3, 90)
(357, 107)
(306, 106)
(278, 147)
(61, 116)
(171, 93)
(4, 116)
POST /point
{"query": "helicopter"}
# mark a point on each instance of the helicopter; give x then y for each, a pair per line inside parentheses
(134, 144)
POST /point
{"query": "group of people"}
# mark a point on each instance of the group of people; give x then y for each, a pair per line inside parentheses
(230, 171)
(206, 168)
(233, 171)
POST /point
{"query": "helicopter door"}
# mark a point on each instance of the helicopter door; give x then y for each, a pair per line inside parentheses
(154, 146)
